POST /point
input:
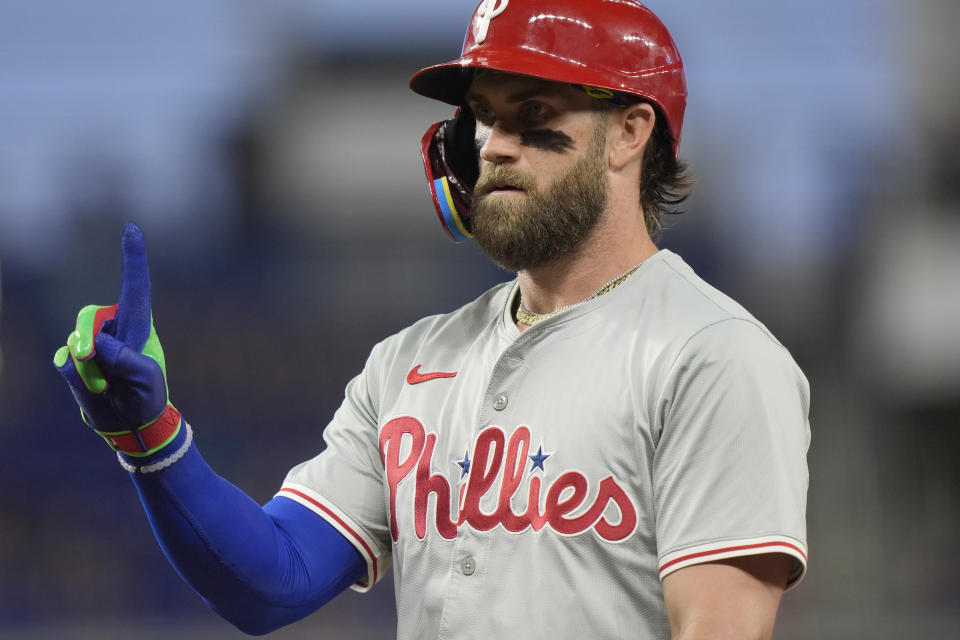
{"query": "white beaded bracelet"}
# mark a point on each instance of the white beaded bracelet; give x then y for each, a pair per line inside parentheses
(160, 464)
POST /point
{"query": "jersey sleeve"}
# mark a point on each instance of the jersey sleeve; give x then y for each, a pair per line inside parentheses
(344, 483)
(730, 473)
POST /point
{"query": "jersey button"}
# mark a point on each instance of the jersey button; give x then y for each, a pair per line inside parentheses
(468, 566)
(501, 402)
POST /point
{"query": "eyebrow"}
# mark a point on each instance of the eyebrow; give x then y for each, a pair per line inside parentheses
(519, 96)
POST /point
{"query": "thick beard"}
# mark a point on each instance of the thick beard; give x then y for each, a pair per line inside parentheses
(543, 225)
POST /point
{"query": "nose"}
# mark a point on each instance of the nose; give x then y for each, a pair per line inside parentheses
(500, 146)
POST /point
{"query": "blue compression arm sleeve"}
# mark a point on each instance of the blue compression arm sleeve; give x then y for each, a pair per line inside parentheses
(258, 567)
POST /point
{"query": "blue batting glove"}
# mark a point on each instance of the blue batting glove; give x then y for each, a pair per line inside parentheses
(114, 364)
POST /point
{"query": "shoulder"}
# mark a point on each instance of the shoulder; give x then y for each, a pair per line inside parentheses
(680, 322)
(669, 306)
(708, 319)
(461, 324)
(447, 331)
(683, 304)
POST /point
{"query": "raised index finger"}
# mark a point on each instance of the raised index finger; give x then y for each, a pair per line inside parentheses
(133, 307)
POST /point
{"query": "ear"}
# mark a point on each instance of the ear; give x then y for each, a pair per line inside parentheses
(628, 130)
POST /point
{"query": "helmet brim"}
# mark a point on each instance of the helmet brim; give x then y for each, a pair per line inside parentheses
(448, 82)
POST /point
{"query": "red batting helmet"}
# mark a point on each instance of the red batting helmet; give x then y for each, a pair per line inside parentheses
(617, 48)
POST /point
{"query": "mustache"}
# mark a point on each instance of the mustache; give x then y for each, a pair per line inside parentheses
(500, 175)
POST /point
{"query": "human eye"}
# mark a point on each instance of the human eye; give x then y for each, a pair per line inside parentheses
(535, 112)
(482, 113)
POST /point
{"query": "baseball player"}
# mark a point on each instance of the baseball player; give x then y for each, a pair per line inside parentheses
(604, 447)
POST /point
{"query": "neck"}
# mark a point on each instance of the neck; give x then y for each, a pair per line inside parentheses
(604, 255)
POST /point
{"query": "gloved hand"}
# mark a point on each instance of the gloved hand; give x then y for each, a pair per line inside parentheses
(114, 364)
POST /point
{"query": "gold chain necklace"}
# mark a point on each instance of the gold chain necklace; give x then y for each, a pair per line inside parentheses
(529, 318)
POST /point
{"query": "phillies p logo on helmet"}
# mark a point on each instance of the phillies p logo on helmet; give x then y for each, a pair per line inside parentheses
(487, 11)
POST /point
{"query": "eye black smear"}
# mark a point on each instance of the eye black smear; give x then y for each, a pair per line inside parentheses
(547, 140)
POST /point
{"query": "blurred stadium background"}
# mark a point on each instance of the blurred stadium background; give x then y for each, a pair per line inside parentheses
(270, 152)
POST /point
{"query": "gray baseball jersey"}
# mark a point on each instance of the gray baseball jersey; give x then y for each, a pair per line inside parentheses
(544, 482)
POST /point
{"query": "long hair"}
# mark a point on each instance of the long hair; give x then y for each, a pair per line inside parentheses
(664, 180)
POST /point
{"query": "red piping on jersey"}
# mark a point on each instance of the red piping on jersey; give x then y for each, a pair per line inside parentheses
(415, 377)
(343, 524)
(713, 552)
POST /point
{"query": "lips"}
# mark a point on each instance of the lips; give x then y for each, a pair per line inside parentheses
(497, 187)
(500, 179)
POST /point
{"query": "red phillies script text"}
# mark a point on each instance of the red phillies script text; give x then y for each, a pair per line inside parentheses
(493, 456)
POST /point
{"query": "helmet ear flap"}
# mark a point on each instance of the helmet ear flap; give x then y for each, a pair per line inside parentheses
(451, 164)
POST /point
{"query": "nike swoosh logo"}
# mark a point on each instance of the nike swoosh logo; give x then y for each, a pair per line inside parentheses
(415, 377)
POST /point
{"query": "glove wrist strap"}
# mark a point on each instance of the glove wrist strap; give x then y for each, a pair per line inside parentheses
(137, 465)
(149, 438)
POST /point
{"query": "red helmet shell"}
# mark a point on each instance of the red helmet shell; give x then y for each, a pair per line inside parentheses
(618, 45)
